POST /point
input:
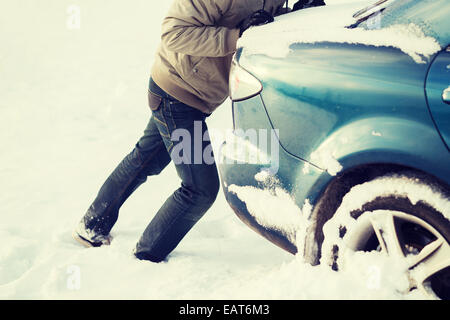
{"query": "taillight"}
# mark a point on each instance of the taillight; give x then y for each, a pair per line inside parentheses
(243, 85)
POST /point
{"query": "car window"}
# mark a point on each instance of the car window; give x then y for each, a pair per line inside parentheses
(431, 16)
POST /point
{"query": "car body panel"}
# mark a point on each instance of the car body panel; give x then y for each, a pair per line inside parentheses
(290, 172)
(350, 104)
(338, 106)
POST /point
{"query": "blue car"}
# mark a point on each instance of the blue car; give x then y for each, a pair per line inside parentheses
(341, 140)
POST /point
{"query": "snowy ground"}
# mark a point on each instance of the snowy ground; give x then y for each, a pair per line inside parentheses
(73, 103)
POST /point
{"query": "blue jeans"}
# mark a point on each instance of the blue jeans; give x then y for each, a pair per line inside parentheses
(152, 153)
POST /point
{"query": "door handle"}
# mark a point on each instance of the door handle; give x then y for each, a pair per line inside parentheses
(446, 95)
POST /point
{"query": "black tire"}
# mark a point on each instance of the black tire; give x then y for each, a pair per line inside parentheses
(421, 213)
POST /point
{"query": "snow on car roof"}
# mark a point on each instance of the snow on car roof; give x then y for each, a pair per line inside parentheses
(329, 24)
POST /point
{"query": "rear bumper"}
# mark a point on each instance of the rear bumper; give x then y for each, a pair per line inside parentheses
(301, 182)
(243, 175)
(295, 177)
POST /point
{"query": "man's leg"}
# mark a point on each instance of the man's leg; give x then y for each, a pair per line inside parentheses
(199, 186)
(149, 157)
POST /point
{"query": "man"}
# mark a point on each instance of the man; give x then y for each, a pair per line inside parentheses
(189, 80)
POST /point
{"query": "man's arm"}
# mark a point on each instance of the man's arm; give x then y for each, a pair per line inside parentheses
(190, 28)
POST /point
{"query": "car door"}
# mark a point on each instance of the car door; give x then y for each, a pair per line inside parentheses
(438, 93)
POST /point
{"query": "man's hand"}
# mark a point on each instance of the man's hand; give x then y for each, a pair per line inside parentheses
(303, 4)
(256, 18)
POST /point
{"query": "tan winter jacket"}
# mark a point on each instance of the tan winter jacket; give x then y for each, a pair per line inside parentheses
(199, 38)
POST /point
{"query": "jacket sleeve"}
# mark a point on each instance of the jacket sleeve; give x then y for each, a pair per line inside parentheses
(190, 28)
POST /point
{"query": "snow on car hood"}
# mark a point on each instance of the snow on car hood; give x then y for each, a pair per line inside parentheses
(328, 24)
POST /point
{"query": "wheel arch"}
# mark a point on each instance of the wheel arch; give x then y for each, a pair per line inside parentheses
(330, 198)
(384, 139)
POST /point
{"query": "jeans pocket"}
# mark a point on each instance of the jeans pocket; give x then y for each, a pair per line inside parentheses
(179, 107)
(181, 111)
(154, 101)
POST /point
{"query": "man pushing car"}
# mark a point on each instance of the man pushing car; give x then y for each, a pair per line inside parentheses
(189, 80)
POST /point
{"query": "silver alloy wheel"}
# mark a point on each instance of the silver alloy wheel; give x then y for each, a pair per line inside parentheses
(411, 240)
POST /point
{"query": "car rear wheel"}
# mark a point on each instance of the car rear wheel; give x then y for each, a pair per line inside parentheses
(399, 217)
